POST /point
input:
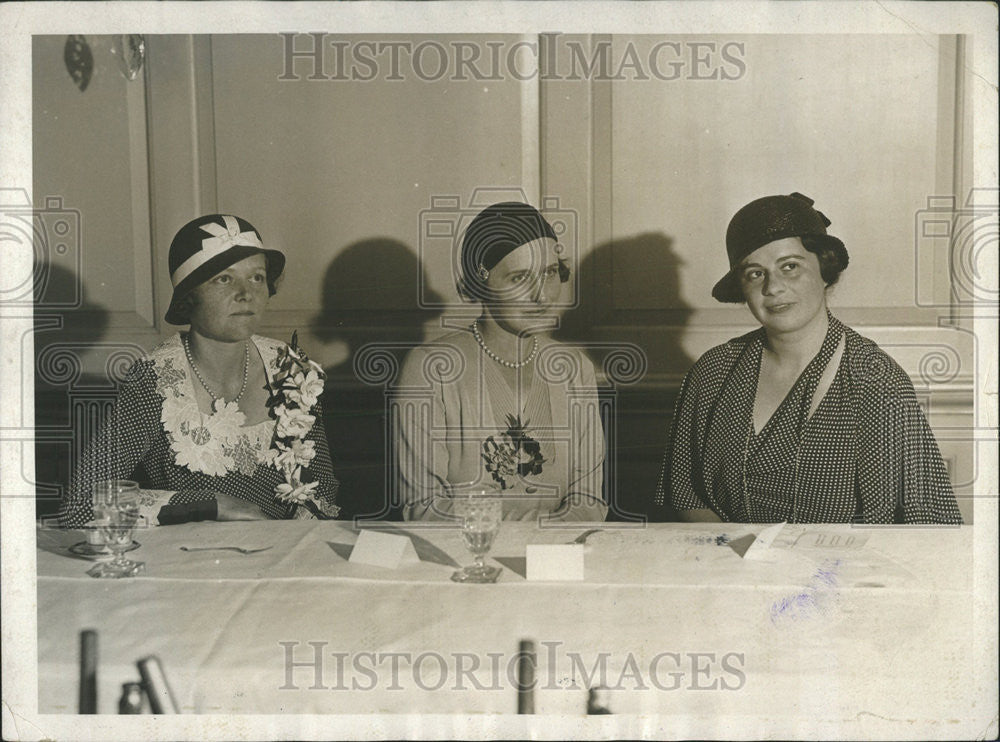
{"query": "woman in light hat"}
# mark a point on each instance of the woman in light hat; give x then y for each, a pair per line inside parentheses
(802, 420)
(497, 404)
(223, 423)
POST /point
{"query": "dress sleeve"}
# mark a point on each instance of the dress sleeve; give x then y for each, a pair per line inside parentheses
(901, 475)
(187, 506)
(120, 444)
(416, 405)
(584, 499)
(675, 485)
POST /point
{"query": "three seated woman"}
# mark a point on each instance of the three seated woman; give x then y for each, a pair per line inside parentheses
(801, 420)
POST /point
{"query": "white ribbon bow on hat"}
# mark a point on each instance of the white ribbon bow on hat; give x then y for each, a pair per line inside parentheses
(226, 237)
(223, 238)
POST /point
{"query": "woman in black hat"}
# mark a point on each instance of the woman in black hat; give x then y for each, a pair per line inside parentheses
(802, 420)
(497, 404)
(223, 423)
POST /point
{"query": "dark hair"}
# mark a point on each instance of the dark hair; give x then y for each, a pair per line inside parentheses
(184, 305)
(830, 267)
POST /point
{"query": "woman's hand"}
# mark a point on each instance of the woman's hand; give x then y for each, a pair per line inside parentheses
(233, 508)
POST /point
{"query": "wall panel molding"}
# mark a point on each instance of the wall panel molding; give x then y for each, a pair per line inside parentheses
(181, 147)
(138, 127)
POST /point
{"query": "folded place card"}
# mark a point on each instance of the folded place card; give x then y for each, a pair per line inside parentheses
(383, 550)
(762, 543)
(554, 561)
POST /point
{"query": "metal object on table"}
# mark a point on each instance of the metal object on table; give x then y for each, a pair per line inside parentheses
(527, 660)
(88, 672)
(238, 549)
(89, 551)
(582, 538)
(597, 701)
(131, 700)
(154, 682)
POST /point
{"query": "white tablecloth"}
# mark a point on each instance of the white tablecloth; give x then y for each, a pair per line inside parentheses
(876, 631)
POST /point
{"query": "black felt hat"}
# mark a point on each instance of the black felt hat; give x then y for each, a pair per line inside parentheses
(495, 232)
(766, 220)
(207, 245)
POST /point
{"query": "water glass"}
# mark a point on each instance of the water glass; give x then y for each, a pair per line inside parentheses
(116, 512)
(103, 496)
(480, 517)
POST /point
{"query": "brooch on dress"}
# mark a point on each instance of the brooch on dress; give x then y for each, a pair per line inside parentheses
(516, 454)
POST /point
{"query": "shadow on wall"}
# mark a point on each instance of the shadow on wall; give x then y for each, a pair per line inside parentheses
(629, 293)
(370, 295)
(66, 325)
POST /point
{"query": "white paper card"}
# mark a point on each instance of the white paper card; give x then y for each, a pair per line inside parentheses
(383, 550)
(761, 545)
(554, 561)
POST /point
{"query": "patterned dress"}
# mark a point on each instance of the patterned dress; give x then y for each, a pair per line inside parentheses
(865, 455)
(157, 434)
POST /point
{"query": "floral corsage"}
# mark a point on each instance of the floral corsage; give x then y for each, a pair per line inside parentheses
(515, 455)
(299, 383)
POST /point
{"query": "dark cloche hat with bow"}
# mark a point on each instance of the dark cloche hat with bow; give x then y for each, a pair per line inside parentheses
(766, 220)
(208, 245)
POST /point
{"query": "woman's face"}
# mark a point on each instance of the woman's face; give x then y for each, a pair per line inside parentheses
(782, 285)
(228, 307)
(525, 284)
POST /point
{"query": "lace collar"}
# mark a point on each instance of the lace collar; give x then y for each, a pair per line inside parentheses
(218, 443)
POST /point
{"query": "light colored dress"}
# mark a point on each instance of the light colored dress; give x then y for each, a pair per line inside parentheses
(456, 419)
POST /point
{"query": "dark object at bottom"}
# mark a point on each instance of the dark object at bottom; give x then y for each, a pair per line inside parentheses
(88, 672)
(154, 682)
(526, 662)
(597, 701)
(131, 700)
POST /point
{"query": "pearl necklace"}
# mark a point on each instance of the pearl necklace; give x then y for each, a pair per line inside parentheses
(197, 373)
(498, 359)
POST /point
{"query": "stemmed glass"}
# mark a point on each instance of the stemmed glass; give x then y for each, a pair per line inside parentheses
(103, 496)
(480, 518)
(116, 511)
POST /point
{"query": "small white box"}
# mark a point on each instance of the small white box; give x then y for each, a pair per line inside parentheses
(383, 550)
(554, 562)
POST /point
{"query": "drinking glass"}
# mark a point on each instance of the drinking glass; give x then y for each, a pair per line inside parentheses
(103, 496)
(480, 519)
(116, 511)
(106, 491)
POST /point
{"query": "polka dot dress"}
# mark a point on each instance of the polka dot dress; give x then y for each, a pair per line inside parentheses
(134, 444)
(865, 455)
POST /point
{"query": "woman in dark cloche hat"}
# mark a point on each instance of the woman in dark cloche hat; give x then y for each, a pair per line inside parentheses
(216, 422)
(802, 420)
(497, 404)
